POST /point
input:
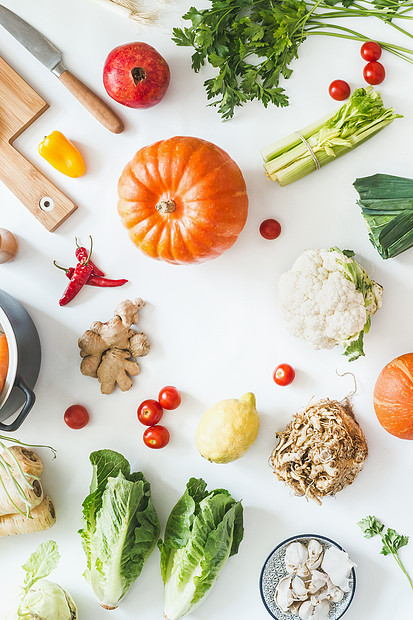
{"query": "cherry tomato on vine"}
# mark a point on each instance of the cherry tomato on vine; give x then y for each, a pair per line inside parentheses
(374, 73)
(150, 412)
(169, 397)
(284, 374)
(270, 229)
(370, 51)
(156, 437)
(339, 90)
(76, 416)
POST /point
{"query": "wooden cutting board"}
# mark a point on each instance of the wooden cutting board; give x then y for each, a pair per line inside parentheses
(20, 105)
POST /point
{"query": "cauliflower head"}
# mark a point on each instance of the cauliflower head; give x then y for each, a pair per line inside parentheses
(327, 299)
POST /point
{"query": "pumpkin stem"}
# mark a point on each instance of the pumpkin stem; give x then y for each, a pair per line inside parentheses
(138, 74)
(165, 206)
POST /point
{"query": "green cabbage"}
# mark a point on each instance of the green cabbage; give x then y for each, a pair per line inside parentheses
(120, 527)
(39, 598)
(203, 530)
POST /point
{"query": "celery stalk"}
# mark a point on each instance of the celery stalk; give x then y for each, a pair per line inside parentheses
(334, 135)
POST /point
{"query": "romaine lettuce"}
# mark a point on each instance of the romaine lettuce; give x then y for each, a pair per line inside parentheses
(120, 527)
(203, 530)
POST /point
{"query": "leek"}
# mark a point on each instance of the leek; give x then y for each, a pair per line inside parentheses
(386, 204)
(333, 135)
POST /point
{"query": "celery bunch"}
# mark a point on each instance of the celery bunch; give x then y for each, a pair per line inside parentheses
(333, 135)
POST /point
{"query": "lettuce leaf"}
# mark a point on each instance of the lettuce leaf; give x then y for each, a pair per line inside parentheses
(203, 530)
(120, 527)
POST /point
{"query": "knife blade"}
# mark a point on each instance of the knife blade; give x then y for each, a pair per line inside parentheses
(50, 56)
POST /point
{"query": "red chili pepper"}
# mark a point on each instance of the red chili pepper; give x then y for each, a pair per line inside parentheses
(105, 282)
(82, 255)
(81, 275)
(98, 280)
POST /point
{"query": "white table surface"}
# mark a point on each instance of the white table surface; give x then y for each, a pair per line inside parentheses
(214, 328)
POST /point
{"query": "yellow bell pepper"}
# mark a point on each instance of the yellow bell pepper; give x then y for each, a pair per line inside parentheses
(62, 154)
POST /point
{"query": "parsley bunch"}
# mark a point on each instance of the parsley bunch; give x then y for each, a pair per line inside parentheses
(392, 541)
(251, 43)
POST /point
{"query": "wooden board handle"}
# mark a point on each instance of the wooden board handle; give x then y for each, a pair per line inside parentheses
(38, 194)
(91, 102)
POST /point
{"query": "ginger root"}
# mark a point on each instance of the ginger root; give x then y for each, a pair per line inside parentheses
(109, 350)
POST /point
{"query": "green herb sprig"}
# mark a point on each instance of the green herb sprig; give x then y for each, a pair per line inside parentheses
(252, 43)
(392, 541)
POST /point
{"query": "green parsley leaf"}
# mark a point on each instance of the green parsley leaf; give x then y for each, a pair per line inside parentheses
(251, 43)
(392, 541)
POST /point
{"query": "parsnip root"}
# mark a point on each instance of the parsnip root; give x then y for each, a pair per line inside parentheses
(10, 499)
(28, 460)
(41, 518)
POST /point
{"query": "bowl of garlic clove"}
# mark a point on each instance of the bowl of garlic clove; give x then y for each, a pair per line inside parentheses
(309, 577)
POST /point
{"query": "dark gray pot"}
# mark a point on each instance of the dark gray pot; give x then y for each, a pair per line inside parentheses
(24, 362)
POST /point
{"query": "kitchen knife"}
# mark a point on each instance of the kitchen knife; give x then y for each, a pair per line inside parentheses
(51, 57)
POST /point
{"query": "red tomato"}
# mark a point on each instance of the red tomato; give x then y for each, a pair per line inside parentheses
(374, 73)
(76, 416)
(156, 437)
(169, 397)
(339, 90)
(370, 51)
(284, 374)
(150, 412)
(270, 229)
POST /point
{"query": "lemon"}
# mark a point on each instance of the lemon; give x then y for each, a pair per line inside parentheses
(228, 429)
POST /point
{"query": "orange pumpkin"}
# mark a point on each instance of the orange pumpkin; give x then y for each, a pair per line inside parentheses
(183, 200)
(393, 397)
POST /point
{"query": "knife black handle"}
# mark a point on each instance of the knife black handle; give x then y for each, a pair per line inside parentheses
(91, 102)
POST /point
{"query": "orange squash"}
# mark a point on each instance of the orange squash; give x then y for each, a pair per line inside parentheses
(4, 360)
(393, 397)
(183, 200)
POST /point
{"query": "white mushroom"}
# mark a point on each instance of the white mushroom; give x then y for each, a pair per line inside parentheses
(337, 565)
(296, 555)
(315, 554)
(283, 595)
(306, 610)
(321, 611)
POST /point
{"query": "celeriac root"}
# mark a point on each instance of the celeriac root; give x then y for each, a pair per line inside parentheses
(41, 518)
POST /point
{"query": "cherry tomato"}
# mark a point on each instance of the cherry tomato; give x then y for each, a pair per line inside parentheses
(156, 437)
(169, 397)
(339, 90)
(370, 51)
(150, 412)
(270, 229)
(374, 73)
(284, 374)
(76, 416)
